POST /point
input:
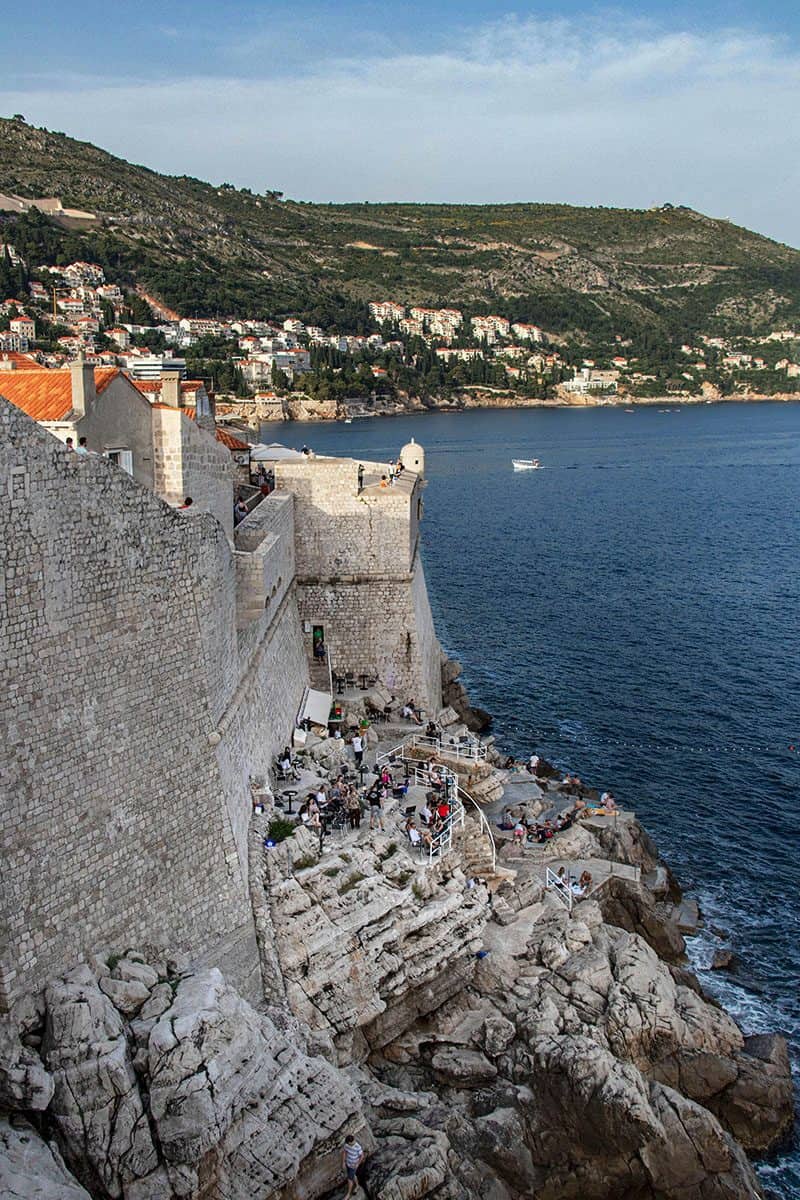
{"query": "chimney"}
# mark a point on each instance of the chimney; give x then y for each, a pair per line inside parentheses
(83, 391)
(171, 388)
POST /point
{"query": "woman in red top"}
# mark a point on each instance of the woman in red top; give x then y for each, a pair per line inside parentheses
(443, 809)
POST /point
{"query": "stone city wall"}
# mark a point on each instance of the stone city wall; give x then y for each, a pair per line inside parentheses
(189, 461)
(122, 821)
(341, 531)
(382, 627)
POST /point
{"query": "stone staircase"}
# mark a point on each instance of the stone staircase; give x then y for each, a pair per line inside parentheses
(318, 676)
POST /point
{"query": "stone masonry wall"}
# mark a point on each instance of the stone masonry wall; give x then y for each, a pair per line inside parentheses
(360, 577)
(189, 461)
(382, 627)
(341, 531)
(116, 826)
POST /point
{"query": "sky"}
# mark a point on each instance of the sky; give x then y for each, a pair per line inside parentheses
(447, 101)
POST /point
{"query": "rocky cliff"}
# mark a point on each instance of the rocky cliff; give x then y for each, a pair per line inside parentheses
(478, 1043)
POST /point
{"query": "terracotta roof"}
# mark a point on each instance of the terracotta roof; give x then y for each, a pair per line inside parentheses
(22, 362)
(227, 439)
(47, 395)
(231, 441)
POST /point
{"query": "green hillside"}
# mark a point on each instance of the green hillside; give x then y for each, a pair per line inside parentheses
(206, 250)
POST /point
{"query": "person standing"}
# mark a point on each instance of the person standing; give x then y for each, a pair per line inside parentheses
(361, 477)
(354, 809)
(352, 1158)
(82, 447)
(358, 748)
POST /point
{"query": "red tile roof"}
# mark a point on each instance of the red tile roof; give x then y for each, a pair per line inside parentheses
(22, 362)
(223, 435)
(47, 395)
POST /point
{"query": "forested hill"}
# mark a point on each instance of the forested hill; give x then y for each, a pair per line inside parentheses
(217, 250)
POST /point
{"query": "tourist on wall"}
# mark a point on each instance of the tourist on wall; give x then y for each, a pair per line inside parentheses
(240, 511)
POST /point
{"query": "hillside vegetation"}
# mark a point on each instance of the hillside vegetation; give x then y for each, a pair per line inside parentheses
(206, 250)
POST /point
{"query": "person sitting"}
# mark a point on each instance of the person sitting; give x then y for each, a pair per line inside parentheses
(409, 712)
(519, 832)
(582, 886)
(413, 834)
(608, 802)
(435, 779)
(443, 809)
(533, 763)
(432, 731)
(425, 814)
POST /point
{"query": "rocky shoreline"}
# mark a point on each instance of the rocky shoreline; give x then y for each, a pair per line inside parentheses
(478, 1037)
(302, 408)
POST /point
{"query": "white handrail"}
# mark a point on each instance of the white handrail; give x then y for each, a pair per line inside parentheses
(420, 771)
(555, 883)
(472, 750)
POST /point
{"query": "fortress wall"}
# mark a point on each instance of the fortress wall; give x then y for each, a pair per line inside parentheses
(261, 717)
(427, 643)
(339, 531)
(378, 626)
(113, 829)
(265, 562)
(189, 461)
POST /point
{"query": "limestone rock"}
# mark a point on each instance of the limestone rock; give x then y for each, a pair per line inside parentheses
(24, 1083)
(629, 906)
(409, 1163)
(498, 1034)
(688, 916)
(96, 1104)
(131, 971)
(227, 1089)
(29, 1167)
(723, 960)
(127, 997)
(758, 1106)
(462, 1068)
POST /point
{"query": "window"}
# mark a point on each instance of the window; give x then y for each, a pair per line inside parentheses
(122, 458)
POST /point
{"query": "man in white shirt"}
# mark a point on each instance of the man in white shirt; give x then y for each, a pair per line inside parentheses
(358, 749)
(352, 1158)
(533, 763)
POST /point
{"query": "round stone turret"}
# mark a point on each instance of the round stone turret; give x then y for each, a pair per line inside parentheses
(412, 456)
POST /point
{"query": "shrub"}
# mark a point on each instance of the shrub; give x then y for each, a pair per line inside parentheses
(351, 882)
(308, 860)
(332, 872)
(280, 829)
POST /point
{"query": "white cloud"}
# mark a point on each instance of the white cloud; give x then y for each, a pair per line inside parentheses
(589, 113)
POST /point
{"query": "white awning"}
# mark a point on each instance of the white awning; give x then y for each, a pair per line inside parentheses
(316, 708)
(273, 452)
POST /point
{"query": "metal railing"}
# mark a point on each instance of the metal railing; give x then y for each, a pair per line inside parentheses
(418, 772)
(470, 749)
(554, 883)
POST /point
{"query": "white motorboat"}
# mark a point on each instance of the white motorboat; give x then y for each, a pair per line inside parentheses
(526, 464)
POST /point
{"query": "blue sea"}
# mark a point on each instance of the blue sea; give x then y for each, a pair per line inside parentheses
(631, 611)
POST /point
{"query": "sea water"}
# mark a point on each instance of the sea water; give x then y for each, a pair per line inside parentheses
(631, 612)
